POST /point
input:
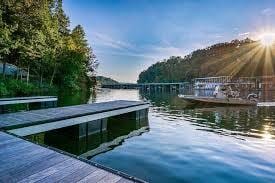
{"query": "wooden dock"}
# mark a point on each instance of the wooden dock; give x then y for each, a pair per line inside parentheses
(23, 100)
(149, 86)
(23, 161)
(266, 104)
(36, 121)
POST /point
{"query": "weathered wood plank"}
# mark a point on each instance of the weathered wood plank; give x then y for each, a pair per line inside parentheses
(47, 172)
(78, 175)
(11, 167)
(13, 172)
(24, 100)
(24, 161)
(6, 149)
(6, 142)
(41, 165)
(123, 180)
(94, 177)
(63, 172)
(14, 160)
(110, 178)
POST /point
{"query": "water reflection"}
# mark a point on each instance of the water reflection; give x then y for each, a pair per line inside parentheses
(249, 122)
(92, 138)
(25, 107)
(68, 98)
(257, 122)
(264, 95)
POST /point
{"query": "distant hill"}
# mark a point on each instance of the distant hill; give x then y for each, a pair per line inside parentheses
(104, 80)
(235, 58)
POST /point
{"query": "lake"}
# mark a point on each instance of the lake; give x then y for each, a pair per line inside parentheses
(176, 143)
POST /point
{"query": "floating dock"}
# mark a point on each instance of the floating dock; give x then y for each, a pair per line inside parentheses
(149, 86)
(266, 104)
(24, 100)
(36, 121)
(24, 161)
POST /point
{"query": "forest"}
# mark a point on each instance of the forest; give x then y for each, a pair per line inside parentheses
(102, 80)
(236, 58)
(35, 36)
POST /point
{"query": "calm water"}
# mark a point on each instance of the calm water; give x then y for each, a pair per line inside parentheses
(179, 144)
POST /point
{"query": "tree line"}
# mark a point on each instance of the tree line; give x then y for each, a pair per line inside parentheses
(236, 58)
(35, 35)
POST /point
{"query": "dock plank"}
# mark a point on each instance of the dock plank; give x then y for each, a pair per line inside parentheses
(124, 181)
(63, 172)
(94, 177)
(35, 163)
(13, 162)
(47, 172)
(78, 175)
(110, 178)
(23, 100)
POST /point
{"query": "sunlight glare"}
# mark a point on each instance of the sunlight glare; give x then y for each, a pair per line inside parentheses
(267, 39)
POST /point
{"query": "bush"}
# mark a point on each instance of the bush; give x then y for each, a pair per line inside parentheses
(13, 87)
(20, 88)
(3, 89)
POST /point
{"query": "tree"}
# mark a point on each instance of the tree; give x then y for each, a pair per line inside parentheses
(5, 42)
(63, 20)
(221, 59)
(35, 35)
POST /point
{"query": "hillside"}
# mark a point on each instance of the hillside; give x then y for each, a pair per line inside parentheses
(237, 58)
(104, 80)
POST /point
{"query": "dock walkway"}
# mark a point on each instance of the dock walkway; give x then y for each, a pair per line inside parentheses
(23, 100)
(23, 161)
(36, 121)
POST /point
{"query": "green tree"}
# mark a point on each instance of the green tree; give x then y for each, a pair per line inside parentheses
(35, 36)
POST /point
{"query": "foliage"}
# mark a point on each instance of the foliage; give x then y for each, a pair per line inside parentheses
(3, 89)
(18, 88)
(13, 87)
(35, 35)
(237, 58)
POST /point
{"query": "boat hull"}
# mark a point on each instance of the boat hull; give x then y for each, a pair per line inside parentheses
(217, 101)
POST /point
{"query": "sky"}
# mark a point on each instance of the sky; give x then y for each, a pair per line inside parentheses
(128, 36)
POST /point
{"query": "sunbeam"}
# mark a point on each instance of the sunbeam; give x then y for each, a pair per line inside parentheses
(267, 39)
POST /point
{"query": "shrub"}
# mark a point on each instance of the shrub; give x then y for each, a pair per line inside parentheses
(3, 89)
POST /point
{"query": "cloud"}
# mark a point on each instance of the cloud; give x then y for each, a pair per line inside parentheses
(162, 52)
(106, 40)
(124, 53)
(244, 34)
(150, 52)
(122, 48)
(267, 12)
(218, 36)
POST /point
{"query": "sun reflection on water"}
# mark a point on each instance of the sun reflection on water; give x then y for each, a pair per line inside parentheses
(267, 132)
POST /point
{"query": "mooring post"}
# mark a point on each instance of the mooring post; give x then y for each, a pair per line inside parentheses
(1, 109)
(101, 125)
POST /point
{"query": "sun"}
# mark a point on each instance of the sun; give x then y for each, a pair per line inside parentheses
(267, 39)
